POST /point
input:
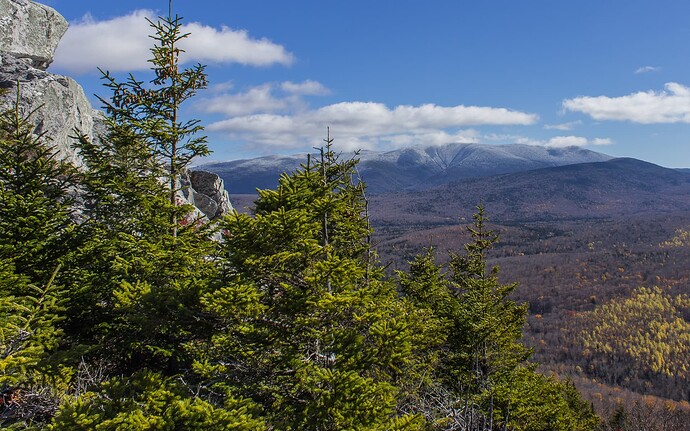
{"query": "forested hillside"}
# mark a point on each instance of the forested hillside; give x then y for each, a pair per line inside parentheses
(600, 252)
(605, 286)
(120, 311)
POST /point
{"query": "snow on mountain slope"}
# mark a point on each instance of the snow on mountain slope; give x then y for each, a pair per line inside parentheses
(414, 168)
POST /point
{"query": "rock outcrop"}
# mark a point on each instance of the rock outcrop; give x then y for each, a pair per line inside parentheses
(58, 103)
(207, 193)
(29, 34)
(30, 31)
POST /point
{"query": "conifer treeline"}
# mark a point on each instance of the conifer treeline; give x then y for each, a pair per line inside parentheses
(118, 311)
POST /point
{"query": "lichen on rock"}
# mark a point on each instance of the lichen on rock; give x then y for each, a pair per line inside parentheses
(30, 31)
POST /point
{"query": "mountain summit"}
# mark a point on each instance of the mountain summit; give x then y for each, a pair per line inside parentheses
(414, 168)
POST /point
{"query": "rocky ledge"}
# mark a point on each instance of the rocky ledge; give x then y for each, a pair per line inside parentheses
(58, 103)
(29, 34)
(30, 31)
(207, 193)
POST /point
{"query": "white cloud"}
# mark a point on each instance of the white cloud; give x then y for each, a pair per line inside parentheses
(377, 118)
(647, 69)
(564, 126)
(207, 44)
(566, 141)
(117, 44)
(221, 87)
(122, 44)
(367, 125)
(305, 88)
(256, 99)
(265, 98)
(601, 141)
(669, 106)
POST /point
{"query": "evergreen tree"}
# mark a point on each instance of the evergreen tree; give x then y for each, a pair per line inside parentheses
(148, 401)
(489, 328)
(151, 110)
(28, 335)
(306, 325)
(142, 266)
(35, 199)
(530, 401)
(480, 379)
(136, 287)
(35, 235)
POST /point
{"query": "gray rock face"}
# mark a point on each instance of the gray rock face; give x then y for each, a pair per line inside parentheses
(59, 103)
(206, 191)
(30, 31)
(29, 34)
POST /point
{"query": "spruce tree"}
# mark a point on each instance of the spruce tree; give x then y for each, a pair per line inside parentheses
(490, 328)
(307, 326)
(143, 262)
(35, 236)
(135, 286)
(29, 334)
(152, 110)
(136, 280)
(35, 198)
(481, 379)
(149, 401)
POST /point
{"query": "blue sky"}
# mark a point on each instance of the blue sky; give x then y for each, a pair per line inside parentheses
(612, 76)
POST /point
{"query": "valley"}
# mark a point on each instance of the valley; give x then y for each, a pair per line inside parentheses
(576, 238)
(368, 291)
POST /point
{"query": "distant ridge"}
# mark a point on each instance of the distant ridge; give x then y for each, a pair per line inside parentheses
(414, 168)
(612, 189)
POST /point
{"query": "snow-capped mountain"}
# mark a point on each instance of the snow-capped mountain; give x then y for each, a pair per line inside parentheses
(414, 168)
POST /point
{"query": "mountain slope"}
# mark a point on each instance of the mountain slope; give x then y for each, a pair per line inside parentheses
(618, 187)
(415, 168)
(576, 238)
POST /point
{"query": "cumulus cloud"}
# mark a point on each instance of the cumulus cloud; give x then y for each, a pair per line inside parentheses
(566, 141)
(368, 125)
(377, 118)
(647, 69)
(256, 99)
(116, 44)
(563, 126)
(207, 44)
(122, 44)
(265, 98)
(669, 106)
(306, 88)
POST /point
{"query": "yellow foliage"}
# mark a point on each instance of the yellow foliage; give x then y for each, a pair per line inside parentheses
(681, 239)
(646, 330)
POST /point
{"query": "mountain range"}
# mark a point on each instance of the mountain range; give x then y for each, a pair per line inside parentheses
(415, 168)
(610, 189)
